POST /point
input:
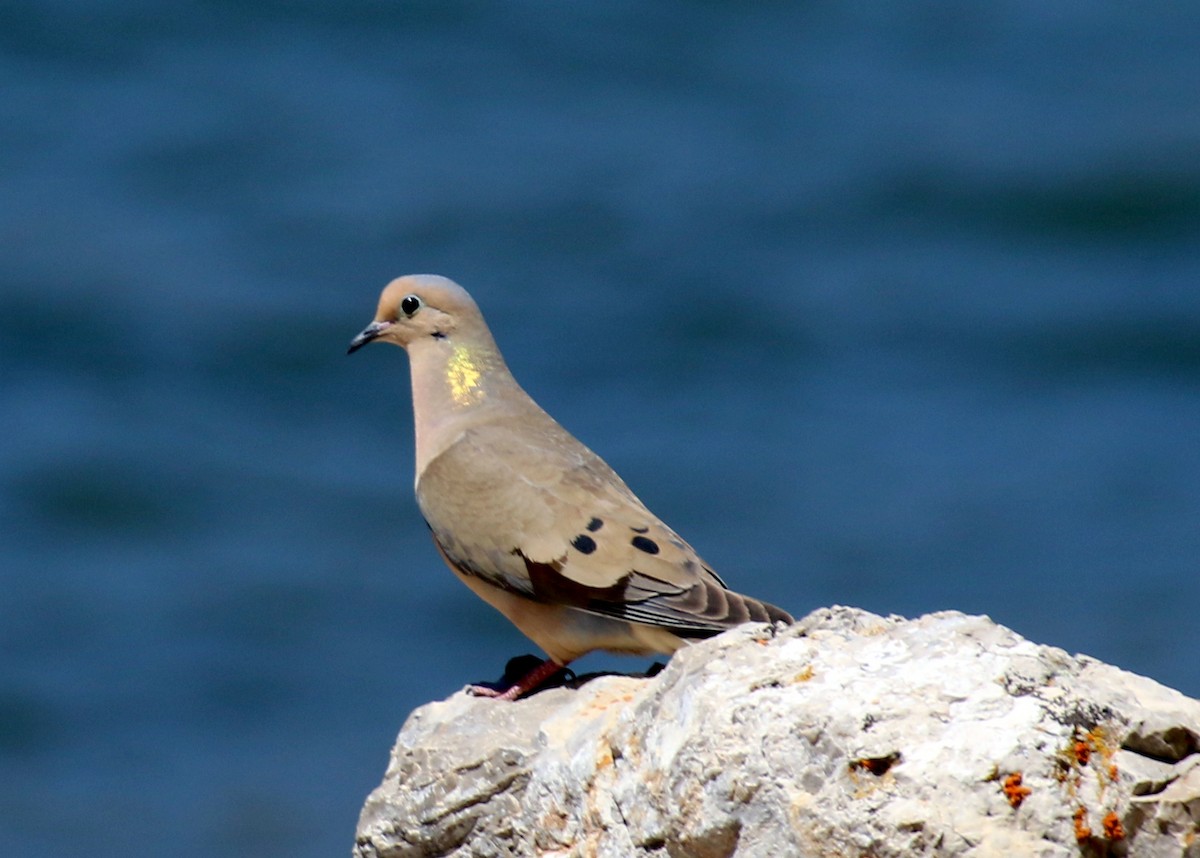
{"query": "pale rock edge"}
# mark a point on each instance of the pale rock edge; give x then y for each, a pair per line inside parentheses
(845, 734)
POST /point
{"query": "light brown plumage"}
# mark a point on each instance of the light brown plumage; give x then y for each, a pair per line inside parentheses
(529, 518)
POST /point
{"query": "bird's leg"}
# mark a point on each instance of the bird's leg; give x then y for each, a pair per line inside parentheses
(525, 684)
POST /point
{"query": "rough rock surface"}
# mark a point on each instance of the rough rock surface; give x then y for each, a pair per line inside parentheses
(846, 734)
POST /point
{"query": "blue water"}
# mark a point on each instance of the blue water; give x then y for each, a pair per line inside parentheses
(891, 305)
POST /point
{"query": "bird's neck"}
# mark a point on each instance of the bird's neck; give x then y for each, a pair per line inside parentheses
(455, 384)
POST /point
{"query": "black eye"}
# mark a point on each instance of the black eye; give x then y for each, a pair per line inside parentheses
(410, 304)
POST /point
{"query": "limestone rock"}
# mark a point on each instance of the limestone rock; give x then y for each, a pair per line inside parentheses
(846, 734)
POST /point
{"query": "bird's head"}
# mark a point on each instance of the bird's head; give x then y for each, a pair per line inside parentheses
(419, 307)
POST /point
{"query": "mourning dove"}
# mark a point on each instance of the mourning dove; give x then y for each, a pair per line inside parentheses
(535, 523)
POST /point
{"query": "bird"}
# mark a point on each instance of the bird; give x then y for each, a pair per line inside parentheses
(527, 516)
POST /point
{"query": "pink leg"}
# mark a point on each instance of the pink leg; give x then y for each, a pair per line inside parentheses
(527, 683)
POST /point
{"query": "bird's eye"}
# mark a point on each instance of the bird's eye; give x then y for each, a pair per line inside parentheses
(410, 305)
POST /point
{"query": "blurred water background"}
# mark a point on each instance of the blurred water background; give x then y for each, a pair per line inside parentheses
(894, 305)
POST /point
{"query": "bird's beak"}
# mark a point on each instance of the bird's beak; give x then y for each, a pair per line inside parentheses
(369, 333)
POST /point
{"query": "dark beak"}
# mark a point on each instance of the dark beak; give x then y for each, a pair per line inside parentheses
(369, 333)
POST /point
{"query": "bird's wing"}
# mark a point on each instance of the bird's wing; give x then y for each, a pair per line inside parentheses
(540, 515)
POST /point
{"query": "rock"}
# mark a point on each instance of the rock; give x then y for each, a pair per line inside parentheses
(846, 734)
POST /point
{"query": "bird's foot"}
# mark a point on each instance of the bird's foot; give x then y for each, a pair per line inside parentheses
(528, 679)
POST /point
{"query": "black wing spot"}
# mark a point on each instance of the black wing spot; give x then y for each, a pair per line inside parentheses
(640, 529)
(595, 524)
(641, 543)
(584, 544)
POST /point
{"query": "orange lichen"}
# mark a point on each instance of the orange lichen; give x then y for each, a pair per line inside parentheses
(1089, 752)
(604, 757)
(1113, 829)
(1100, 739)
(804, 675)
(1014, 791)
(1082, 832)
